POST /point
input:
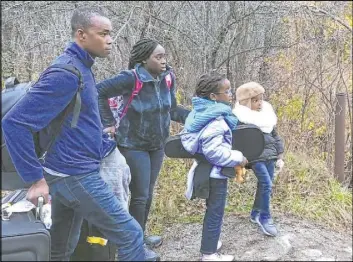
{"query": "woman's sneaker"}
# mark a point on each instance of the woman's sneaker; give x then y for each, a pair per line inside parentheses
(217, 257)
(253, 215)
(150, 255)
(153, 241)
(267, 226)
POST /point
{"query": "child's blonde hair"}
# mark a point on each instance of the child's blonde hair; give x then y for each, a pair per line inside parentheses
(246, 91)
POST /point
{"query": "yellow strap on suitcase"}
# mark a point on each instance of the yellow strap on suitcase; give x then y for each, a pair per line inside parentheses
(97, 240)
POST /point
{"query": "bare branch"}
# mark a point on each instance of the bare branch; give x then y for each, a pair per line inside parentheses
(181, 32)
(253, 49)
(127, 21)
(197, 20)
(315, 9)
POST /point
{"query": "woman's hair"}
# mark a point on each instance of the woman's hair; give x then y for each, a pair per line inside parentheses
(209, 83)
(141, 51)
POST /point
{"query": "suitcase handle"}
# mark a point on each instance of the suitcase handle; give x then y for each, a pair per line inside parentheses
(39, 208)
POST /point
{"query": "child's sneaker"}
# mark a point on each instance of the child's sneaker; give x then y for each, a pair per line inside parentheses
(219, 245)
(253, 215)
(217, 257)
(267, 226)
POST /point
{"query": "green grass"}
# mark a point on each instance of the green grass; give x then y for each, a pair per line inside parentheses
(305, 189)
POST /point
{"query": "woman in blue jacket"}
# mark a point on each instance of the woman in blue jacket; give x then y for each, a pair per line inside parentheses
(142, 133)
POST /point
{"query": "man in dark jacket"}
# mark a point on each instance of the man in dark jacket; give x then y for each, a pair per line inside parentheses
(71, 167)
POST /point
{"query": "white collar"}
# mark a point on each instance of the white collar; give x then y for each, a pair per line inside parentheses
(265, 119)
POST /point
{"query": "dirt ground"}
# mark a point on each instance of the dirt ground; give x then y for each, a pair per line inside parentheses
(298, 240)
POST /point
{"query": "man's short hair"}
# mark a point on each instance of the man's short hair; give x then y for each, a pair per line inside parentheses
(81, 18)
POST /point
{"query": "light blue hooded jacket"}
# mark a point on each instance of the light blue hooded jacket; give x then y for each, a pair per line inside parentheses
(214, 141)
(208, 131)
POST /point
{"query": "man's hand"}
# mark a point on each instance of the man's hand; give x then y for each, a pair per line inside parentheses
(110, 130)
(39, 188)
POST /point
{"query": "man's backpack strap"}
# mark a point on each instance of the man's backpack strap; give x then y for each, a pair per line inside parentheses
(76, 109)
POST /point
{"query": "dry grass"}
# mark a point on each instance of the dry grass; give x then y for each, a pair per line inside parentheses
(307, 189)
(304, 189)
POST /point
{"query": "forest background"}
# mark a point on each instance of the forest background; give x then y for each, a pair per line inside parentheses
(300, 51)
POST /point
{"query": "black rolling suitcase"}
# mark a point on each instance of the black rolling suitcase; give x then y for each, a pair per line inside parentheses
(24, 236)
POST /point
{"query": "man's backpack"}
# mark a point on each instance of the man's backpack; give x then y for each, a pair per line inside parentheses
(44, 139)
